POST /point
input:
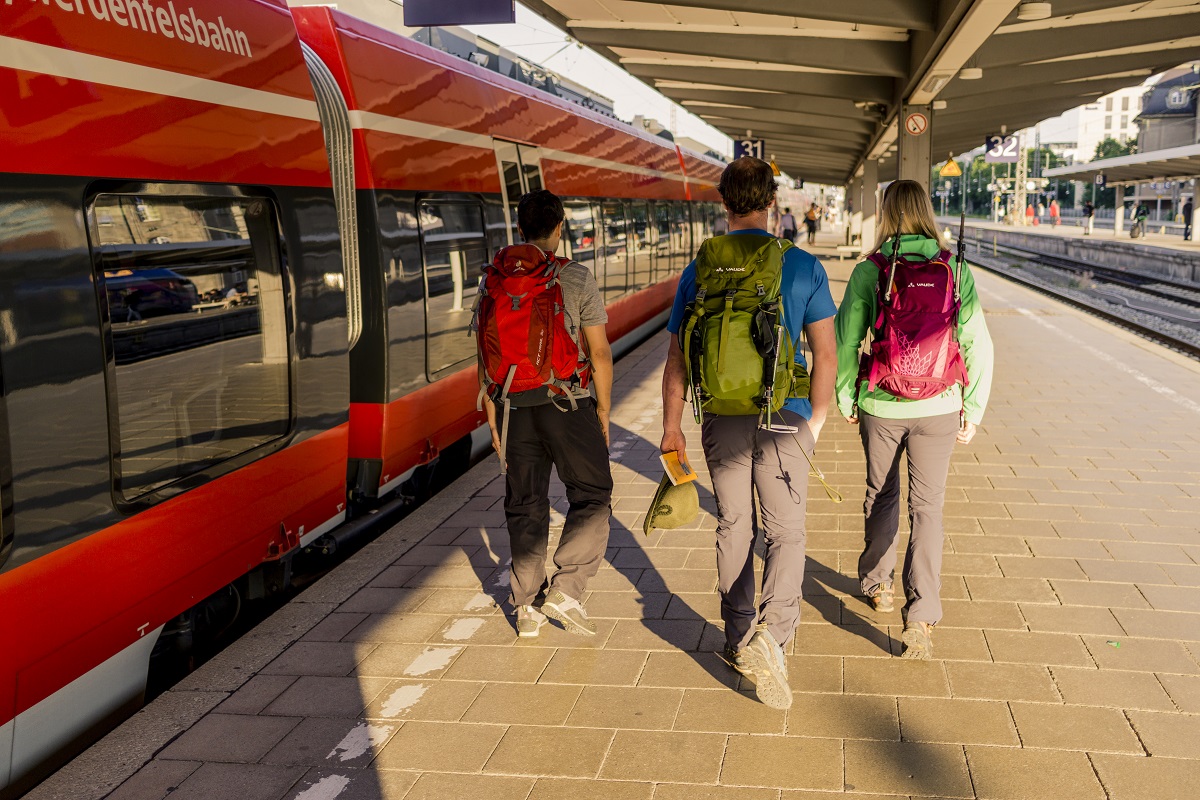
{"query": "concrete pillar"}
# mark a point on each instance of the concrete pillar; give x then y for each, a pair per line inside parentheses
(870, 203)
(1119, 217)
(916, 149)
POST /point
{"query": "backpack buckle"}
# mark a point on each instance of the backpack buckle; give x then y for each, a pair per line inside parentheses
(762, 290)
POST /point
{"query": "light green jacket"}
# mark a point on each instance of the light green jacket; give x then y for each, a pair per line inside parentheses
(858, 313)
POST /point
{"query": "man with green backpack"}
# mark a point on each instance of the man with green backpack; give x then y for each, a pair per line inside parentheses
(739, 311)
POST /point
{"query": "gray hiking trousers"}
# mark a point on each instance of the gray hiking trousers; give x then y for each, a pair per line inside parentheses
(742, 461)
(929, 443)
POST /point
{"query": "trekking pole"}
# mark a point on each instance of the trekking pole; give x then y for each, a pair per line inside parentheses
(887, 295)
(769, 394)
(962, 251)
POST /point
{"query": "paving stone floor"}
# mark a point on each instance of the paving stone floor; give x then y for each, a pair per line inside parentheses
(1067, 666)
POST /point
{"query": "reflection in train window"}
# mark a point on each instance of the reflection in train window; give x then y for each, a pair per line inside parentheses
(580, 233)
(455, 249)
(192, 291)
(6, 506)
(611, 274)
(641, 245)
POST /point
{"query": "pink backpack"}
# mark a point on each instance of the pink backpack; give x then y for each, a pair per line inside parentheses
(914, 350)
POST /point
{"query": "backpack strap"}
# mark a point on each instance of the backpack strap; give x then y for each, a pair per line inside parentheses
(725, 325)
(512, 371)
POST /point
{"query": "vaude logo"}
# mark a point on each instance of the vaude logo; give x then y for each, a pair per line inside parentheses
(921, 285)
(730, 269)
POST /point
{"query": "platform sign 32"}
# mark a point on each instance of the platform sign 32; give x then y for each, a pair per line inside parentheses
(755, 148)
(1000, 149)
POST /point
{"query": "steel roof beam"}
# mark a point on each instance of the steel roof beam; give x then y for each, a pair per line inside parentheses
(852, 87)
(753, 116)
(1019, 77)
(858, 57)
(1011, 49)
(911, 14)
(765, 130)
(809, 104)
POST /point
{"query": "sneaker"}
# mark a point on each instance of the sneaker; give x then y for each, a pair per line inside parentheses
(740, 660)
(569, 612)
(770, 670)
(882, 597)
(529, 621)
(918, 641)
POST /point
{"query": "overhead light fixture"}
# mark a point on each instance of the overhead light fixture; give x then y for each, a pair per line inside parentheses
(970, 73)
(939, 105)
(1029, 12)
(934, 83)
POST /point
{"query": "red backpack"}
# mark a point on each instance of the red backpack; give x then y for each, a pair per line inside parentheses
(522, 331)
(914, 349)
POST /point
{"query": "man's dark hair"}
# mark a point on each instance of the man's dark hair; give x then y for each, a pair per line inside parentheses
(747, 185)
(538, 214)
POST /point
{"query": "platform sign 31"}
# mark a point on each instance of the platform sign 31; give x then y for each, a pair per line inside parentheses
(755, 148)
(1000, 149)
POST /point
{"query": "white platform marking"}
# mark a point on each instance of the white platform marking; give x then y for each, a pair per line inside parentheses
(403, 699)
(463, 629)
(360, 739)
(1140, 377)
(434, 658)
(327, 788)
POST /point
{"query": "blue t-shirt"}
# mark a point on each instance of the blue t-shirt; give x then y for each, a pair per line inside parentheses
(805, 294)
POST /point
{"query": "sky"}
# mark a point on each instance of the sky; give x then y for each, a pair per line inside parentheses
(542, 43)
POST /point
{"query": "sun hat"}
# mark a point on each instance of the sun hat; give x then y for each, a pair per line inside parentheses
(672, 507)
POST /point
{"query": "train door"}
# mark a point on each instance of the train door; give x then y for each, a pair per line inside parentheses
(520, 172)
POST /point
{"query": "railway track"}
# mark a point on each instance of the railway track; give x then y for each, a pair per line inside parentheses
(993, 264)
(1177, 291)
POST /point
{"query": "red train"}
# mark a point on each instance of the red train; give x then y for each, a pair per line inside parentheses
(238, 248)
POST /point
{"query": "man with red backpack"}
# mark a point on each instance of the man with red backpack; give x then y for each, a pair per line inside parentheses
(543, 350)
(921, 388)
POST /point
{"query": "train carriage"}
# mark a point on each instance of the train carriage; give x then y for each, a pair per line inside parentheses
(238, 251)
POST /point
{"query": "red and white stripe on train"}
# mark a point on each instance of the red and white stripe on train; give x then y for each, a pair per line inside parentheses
(237, 248)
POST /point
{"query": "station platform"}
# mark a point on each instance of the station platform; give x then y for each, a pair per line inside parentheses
(1074, 228)
(1067, 665)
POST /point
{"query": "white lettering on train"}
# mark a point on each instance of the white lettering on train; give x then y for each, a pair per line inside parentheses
(165, 21)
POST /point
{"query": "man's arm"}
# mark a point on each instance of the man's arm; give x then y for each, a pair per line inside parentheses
(602, 372)
(489, 407)
(823, 344)
(674, 387)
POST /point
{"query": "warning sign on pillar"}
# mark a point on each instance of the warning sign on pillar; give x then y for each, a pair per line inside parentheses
(916, 124)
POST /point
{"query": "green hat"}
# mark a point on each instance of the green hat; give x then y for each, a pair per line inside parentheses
(672, 507)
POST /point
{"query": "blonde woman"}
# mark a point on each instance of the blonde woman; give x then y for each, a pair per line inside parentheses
(920, 388)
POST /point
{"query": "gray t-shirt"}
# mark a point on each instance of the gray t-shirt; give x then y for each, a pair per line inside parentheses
(584, 308)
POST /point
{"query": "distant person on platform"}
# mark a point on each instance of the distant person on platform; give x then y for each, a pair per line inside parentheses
(788, 224)
(810, 222)
(1187, 221)
(1089, 216)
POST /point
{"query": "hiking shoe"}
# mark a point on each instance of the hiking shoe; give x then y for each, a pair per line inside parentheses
(918, 641)
(569, 612)
(529, 621)
(770, 670)
(882, 597)
(740, 660)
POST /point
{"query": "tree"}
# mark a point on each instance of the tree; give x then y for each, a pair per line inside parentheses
(1109, 148)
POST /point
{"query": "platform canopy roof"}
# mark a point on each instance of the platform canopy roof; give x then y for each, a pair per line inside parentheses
(1171, 164)
(822, 80)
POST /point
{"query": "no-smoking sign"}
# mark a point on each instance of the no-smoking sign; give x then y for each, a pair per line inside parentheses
(916, 124)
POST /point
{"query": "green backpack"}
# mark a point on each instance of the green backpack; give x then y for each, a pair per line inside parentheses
(740, 357)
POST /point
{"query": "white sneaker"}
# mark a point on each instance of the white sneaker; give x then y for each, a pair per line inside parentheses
(529, 621)
(569, 612)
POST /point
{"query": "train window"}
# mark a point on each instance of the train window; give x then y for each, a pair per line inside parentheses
(531, 160)
(454, 249)
(6, 506)
(192, 291)
(580, 233)
(681, 239)
(641, 246)
(611, 273)
(662, 247)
